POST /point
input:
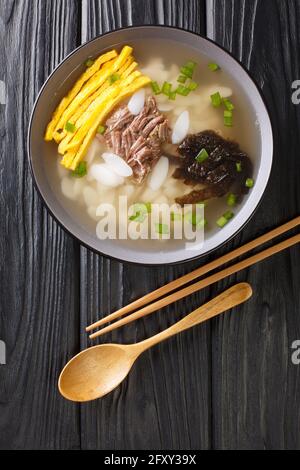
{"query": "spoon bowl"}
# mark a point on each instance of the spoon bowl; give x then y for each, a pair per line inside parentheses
(96, 371)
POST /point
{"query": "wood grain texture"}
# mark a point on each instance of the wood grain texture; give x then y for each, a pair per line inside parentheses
(256, 388)
(39, 262)
(161, 405)
(229, 384)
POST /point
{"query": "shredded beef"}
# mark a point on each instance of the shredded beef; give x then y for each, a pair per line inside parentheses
(138, 139)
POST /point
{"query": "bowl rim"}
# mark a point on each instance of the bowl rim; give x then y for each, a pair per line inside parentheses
(61, 223)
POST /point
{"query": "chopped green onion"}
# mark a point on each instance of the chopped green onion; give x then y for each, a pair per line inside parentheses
(114, 77)
(222, 221)
(181, 79)
(228, 118)
(172, 95)
(190, 64)
(216, 99)
(195, 219)
(238, 167)
(182, 90)
(192, 85)
(249, 183)
(155, 88)
(231, 200)
(188, 72)
(162, 229)
(89, 62)
(101, 129)
(142, 207)
(213, 67)
(202, 156)
(138, 217)
(228, 215)
(228, 122)
(70, 127)
(148, 206)
(175, 216)
(80, 171)
(228, 104)
(166, 88)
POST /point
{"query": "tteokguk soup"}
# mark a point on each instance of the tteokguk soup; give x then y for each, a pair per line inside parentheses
(153, 144)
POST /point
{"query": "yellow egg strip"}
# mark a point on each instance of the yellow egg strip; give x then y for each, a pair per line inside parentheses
(80, 110)
(98, 79)
(83, 114)
(75, 90)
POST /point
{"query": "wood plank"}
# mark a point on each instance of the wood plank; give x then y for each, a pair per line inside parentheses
(256, 388)
(39, 263)
(165, 403)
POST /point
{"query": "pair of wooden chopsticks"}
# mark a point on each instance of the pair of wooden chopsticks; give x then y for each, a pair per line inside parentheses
(163, 302)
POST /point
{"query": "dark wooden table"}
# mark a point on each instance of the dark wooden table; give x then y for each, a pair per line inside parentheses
(228, 384)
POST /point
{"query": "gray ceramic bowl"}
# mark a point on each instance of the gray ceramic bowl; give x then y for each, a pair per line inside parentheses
(42, 155)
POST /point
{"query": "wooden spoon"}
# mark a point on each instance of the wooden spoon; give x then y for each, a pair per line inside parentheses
(98, 370)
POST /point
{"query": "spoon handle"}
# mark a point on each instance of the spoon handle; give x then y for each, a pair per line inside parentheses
(225, 301)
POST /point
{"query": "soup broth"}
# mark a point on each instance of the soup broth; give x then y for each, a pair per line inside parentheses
(162, 62)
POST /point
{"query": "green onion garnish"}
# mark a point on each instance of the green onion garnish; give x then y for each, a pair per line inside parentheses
(70, 127)
(228, 104)
(216, 99)
(228, 118)
(175, 216)
(213, 67)
(190, 64)
(166, 88)
(181, 79)
(228, 215)
(195, 219)
(141, 209)
(89, 62)
(155, 88)
(238, 167)
(249, 183)
(192, 85)
(182, 90)
(114, 77)
(162, 229)
(202, 156)
(148, 206)
(188, 68)
(188, 72)
(172, 95)
(80, 171)
(138, 217)
(101, 129)
(222, 221)
(231, 200)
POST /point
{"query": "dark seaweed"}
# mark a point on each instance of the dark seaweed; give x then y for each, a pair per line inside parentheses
(218, 172)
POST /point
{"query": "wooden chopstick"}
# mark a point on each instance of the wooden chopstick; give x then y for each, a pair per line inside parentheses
(197, 273)
(200, 284)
